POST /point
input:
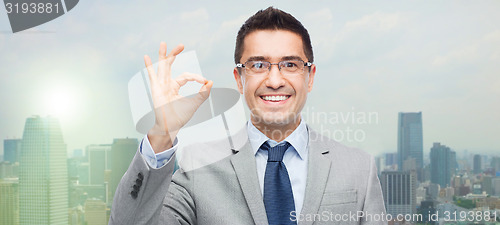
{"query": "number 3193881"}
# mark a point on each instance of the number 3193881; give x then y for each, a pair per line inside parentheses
(32, 8)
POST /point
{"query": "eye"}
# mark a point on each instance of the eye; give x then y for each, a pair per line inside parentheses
(290, 64)
(258, 65)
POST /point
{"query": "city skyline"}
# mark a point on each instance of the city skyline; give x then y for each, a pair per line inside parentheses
(94, 175)
(105, 154)
(46, 186)
(426, 150)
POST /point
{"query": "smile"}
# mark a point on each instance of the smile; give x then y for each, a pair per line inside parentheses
(275, 98)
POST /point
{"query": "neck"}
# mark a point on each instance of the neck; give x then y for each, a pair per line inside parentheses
(277, 132)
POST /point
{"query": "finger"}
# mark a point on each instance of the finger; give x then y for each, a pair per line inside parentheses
(163, 64)
(185, 77)
(163, 51)
(178, 49)
(149, 67)
(204, 92)
(171, 56)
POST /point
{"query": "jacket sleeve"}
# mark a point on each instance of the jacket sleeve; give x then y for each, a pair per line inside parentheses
(141, 196)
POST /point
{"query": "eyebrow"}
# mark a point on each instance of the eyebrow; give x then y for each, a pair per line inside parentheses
(292, 57)
(262, 58)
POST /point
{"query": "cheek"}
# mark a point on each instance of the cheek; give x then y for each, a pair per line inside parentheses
(249, 87)
(300, 87)
(248, 94)
(245, 89)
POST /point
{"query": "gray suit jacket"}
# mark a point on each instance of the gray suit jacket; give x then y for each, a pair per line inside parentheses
(342, 184)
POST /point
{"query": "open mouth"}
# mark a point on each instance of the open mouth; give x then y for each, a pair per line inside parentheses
(275, 98)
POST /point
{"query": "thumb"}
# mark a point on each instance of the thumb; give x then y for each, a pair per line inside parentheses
(204, 92)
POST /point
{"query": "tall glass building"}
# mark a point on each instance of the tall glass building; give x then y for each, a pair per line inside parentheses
(443, 164)
(477, 164)
(11, 148)
(43, 175)
(410, 139)
(122, 153)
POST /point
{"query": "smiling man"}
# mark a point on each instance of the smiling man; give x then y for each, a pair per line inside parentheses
(285, 173)
(274, 94)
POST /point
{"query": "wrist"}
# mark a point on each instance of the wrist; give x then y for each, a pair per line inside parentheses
(160, 139)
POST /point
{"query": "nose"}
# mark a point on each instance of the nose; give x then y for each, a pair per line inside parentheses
(275, 79)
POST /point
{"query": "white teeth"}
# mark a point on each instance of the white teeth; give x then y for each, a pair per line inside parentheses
(275, 98)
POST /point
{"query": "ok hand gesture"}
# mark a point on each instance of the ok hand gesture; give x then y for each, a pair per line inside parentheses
(172, 111)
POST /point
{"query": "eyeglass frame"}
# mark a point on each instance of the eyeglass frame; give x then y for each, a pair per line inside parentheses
(306, 64)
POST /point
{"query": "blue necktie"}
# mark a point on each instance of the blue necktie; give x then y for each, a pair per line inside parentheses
(278, 196)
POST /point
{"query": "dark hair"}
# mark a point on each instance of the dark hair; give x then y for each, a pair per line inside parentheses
(272, 19)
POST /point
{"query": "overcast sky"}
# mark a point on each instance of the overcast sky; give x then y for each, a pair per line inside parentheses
(383, 57)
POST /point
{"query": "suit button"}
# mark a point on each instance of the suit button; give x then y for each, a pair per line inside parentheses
(141, 177)
(136, 188)
(134, 194)
(138, 182)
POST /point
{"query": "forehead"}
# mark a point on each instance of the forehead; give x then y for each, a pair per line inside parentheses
(272, 45)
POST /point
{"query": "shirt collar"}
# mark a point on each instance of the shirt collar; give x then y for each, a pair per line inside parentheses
(299, 138)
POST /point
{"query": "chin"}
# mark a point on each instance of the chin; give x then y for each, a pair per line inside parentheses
(276, 119)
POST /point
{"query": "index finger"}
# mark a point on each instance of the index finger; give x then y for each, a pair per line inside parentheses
(171, 56)
(149, 67)
(166, 61)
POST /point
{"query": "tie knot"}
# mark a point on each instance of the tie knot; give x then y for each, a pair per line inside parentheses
(275, 154)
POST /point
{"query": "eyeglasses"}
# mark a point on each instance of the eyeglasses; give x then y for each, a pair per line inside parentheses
(287, 67)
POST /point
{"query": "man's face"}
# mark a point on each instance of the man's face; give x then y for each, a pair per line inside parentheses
(290, 91)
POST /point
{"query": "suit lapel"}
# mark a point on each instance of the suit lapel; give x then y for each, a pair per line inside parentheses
(244, 165)
(317, 176)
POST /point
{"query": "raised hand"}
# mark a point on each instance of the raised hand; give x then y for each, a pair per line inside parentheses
(172, 111)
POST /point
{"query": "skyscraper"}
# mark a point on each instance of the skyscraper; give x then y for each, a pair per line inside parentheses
(95, 212)
(477, 164)
(8, 169)
(11, 148)
(443, 164)
(410, 140)
(495, 184)
(122, 153)
(98, 157)
(9, 201)
(495, 163)
(43, 176)
(486, 184)
(399, 189)
(391, 159)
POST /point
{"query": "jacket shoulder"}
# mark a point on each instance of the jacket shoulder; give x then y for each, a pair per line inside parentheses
(338, 152)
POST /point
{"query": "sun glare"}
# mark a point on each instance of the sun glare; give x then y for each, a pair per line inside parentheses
(60, 102)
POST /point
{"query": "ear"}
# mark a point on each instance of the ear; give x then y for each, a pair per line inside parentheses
(237, 77)
(312, 72)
